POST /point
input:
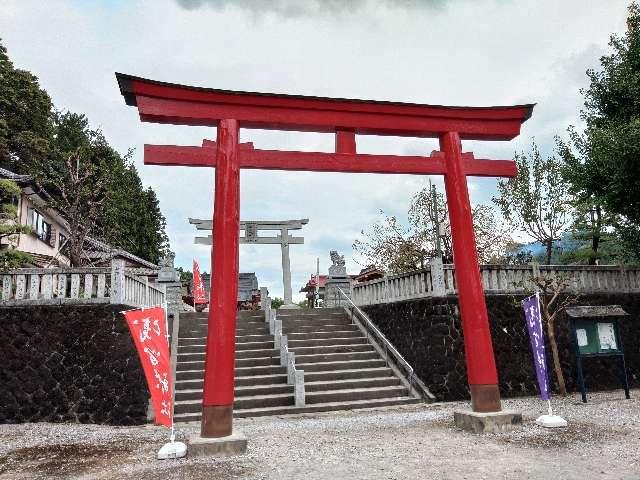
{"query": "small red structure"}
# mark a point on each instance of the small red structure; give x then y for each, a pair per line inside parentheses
(230, 110)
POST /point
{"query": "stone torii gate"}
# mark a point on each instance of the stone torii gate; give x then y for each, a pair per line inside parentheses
(251, 229)
(231, 110)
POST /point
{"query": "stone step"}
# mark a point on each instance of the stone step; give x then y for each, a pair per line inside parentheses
(197, 331)
(336, 357)
(260, 337)
(319, 328)
(321, 407)
(352, 383)
(293, 322)
(257, 401)
(345, 365)
(337, 348)
(347, 374)
(319, 342)
(311, 335)
(309, 316)
(351, 394)
(245, 353)
(200, 348)
(246, 367)
(249, 391)
(256, 380)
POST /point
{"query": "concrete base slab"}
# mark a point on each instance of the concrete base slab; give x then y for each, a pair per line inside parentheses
(234, 444)
(289, 306)
(487, 422)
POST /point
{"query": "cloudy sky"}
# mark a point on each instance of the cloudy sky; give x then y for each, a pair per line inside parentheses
(457, 52)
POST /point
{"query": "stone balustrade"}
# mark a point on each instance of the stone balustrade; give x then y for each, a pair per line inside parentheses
(433, 282)
(295, 376)
(90, 285)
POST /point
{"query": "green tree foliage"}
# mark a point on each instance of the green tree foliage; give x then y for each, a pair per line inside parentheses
(536, 200)
(276, 302)
(603, 163)
(9, 227)
(25, 115)
(96, 189)
(186, 276)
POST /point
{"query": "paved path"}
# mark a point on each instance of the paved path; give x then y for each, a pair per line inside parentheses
(414, 442)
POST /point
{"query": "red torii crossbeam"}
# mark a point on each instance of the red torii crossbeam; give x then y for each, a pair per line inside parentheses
(231, 110)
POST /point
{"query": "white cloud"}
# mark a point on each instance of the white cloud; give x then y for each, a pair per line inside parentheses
(459, 53)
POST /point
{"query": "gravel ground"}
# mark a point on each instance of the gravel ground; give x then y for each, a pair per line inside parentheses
(419, 441)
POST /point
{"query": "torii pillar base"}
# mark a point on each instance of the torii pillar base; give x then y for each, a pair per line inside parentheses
(235, 444)
(490, 422)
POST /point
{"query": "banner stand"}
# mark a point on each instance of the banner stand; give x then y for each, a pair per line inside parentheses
(550, 420)
(172, 449)
(534, 326)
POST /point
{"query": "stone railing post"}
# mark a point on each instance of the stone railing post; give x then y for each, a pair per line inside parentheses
(277, 334)
(284, 350)
(117, 282)
(298, 388)
(437, 277)
(291, 367)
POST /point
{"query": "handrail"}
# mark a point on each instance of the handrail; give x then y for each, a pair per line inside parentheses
(419, 386)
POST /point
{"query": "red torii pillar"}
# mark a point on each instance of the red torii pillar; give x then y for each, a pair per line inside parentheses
(228, 110)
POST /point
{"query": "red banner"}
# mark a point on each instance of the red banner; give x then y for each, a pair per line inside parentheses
(199, 295)
(149, 331)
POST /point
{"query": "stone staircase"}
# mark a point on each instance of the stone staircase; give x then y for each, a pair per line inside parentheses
(342, 369)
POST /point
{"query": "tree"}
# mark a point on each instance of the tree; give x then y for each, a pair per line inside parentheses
(131, 218)
(9, 227)
(25, 115)
(276, 302)
(63, 153)
(602, 164)
(553, 301)
(396, 247)
(536, 200)
(69, 179)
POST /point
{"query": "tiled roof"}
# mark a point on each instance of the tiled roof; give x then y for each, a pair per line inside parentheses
(6, 174)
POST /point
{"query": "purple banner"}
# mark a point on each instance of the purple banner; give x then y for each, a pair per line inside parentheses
(534, 325)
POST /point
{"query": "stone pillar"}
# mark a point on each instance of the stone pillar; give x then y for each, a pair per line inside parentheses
(117, 281)
(337, 279)
(286, 269)
(437, 276)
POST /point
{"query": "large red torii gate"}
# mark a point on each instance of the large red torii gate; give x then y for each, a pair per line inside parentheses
(230, 110)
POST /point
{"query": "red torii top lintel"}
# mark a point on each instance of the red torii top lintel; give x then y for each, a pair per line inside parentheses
(162, 102)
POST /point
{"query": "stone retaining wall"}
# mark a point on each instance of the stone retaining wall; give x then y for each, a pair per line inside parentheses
(427, 332)
(69, 364)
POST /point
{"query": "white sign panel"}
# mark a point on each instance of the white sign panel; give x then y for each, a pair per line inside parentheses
(582, 337)
(607, 336)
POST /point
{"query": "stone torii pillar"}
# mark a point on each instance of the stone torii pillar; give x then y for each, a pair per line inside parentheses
(251, 229)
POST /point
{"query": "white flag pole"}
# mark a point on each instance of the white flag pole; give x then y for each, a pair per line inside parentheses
(172, 449)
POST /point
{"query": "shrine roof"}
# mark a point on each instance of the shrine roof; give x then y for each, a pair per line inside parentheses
(167, 103)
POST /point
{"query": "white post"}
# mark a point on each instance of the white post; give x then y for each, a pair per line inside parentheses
(286, 267)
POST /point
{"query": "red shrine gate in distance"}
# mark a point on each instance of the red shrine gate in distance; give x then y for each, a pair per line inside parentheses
(230, 110)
